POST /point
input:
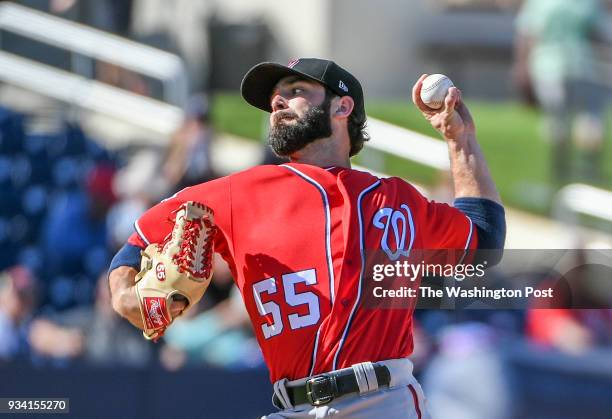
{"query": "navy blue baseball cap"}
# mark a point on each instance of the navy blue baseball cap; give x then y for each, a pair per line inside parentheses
(259, 81)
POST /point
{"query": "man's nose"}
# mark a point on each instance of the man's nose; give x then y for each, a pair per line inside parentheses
(279, 103)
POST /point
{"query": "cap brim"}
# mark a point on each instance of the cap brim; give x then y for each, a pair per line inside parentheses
(258, 83)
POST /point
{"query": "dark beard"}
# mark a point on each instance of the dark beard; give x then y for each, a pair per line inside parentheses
(285, 139)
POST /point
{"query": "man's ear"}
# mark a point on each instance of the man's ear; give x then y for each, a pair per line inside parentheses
(344, 106)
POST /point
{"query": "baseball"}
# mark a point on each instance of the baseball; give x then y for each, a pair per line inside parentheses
(434, 90)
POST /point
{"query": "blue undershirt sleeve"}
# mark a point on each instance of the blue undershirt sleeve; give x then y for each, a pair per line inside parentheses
(128, 255)
(489, 218)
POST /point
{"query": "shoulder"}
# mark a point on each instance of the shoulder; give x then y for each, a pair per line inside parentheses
(401, 186)
(367, 177)
(223, 184)
(257, 173)
(251, 173)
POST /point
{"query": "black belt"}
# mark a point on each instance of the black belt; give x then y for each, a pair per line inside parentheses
(323, 388)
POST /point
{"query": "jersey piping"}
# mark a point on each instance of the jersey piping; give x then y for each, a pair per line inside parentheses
(363, 262)
(140, 233)
(330, 267)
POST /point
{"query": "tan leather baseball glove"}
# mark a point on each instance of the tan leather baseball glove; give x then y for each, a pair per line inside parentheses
(178, 268)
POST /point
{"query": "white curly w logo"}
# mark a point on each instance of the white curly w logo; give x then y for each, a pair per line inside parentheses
(401, 224)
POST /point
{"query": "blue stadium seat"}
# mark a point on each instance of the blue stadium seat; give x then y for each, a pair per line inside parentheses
(10, 204)
(60, 291)
(31, 257)
(96, 152)
(58, 147)
(84, 290)
(76, 139)
(21, 170)
(96, 260)
(11, 132)
(35, 145)
(21, 230)
(9, 250)
(34, 200)
(66, 173)
(34, 170)
(5, 171)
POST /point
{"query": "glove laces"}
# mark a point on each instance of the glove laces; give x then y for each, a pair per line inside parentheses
(195, 246)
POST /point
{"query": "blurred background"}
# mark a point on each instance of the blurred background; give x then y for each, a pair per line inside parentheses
(108, 106)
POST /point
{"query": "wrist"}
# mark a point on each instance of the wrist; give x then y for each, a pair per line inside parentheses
(462, 139)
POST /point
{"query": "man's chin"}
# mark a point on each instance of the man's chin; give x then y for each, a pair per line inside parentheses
(287, 150)
(286, 121)
(283, 149)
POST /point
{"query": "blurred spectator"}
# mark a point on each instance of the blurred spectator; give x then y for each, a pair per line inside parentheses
(578, 319)
(570, 331)
(95, 335)
(108, 15)
(138, 186)
(423, 347)
(74, 238)
(140, 178)
(188, 160)
(122, 78)
(120, 220)
(113, 16)
(465, 380)
(17, 302)
(555, 61)
(220, 337)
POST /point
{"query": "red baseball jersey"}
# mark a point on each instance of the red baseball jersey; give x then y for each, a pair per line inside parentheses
(300, 241)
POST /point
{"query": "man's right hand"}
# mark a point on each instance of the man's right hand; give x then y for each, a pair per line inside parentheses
(125, 300)
(469, 170)
(453, 120)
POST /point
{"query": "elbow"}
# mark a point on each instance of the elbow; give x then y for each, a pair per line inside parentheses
(489, 218)
(491, 242)
(117, 298)
(117, 303)
(121, 281)
(492, 236)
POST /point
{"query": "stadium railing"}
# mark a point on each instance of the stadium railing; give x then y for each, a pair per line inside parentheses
(86, 43)
(99, 97)
(389, 138)
(580, 199)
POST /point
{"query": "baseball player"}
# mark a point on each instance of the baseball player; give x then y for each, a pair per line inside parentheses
(301, 238)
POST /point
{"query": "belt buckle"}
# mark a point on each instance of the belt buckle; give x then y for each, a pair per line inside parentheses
(320, 390)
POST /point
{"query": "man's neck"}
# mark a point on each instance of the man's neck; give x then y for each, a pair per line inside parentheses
(325, 163)
(322, 153)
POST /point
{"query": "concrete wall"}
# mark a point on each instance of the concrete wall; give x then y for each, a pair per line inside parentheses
(376, 40)
(387, 44)
(300, 27)
(390, 43)
(383, 42)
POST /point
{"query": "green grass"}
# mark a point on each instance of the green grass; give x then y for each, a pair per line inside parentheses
(510, 135)
(233, 115)
(511, 141)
